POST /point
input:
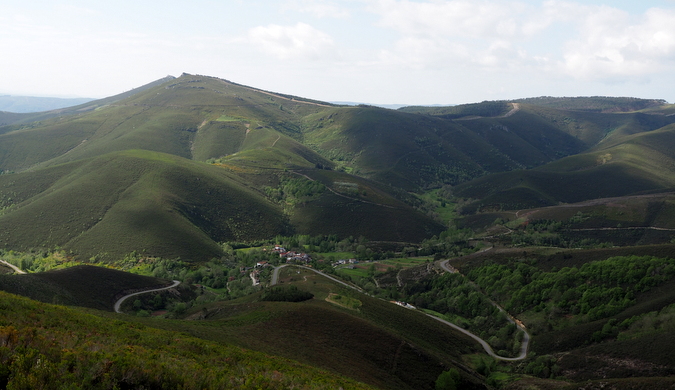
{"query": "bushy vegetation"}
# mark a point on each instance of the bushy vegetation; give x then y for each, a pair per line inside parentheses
(462, 303)
(595, 290)
(295, 190)
(552, 233)
(286, 294)
(40, 343)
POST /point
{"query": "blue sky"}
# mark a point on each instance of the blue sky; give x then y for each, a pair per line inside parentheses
(374, 51)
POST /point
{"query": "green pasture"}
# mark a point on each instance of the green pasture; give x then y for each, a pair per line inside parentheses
(335, 255)
(356, 272)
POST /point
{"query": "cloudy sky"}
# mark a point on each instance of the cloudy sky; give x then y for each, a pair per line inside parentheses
(374, 51)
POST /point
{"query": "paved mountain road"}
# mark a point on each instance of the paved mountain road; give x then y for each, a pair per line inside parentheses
(12, 266)
(526, 336)
(483, 343)
(124, 298)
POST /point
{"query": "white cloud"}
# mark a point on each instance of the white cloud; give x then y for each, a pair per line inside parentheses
(555, 37)
(613, 46)
(458, 18)
(287, 42)
(436, 34)
(318, 8)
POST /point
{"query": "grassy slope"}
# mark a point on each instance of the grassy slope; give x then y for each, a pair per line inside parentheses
(7, 118)
(412, 150)
(401, 149)
(178, 117)
(145, 205)
(43, 342)
(364, 208)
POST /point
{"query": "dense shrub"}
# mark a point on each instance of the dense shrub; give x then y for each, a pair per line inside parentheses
(286, 294)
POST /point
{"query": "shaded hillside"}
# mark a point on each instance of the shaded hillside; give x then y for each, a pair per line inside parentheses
(642, 162)
(7, 118)
(594, 103)
(413, 151)
(354, 206)
(86, 286)
(484, 109)
(163, 205)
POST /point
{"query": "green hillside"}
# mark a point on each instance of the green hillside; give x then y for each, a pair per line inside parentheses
(484, 109)
(166, 206)
(193, 178)
(177, 166)
(153, 203)
(420, 151)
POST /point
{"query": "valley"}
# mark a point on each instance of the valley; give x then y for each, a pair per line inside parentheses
(195, 227)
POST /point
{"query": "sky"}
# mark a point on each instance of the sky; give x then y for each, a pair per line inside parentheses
(370, 51)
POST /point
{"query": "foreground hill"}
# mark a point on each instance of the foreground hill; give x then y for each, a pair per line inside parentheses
(41, 342)
(370, 340)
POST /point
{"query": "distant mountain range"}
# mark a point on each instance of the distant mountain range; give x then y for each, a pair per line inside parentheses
(24, 104)
(177, 166)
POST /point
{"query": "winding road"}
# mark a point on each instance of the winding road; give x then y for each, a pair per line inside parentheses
(124, 298)
(12, 266)
(526, 336)
(446, 267)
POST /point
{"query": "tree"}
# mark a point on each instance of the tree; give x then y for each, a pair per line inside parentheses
(448, 380)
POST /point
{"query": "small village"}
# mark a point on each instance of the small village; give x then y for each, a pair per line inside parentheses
(291, 257)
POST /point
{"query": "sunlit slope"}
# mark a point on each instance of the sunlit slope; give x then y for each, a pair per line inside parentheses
(643, 162)
(133, 201)
(191, 116)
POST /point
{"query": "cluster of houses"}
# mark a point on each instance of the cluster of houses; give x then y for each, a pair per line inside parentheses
(291, 256)
(345, 261)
